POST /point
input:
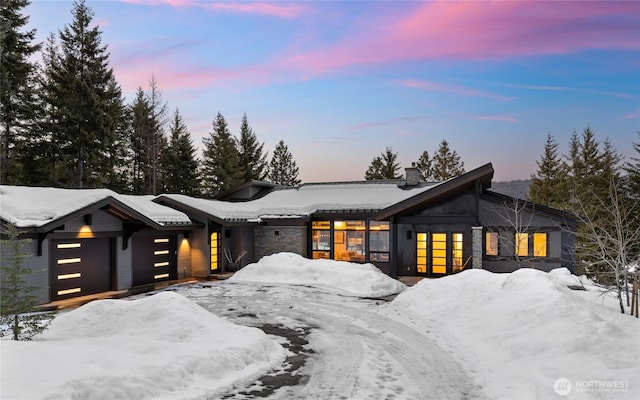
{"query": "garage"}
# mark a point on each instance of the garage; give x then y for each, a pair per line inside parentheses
(153, 259)
(80, 267)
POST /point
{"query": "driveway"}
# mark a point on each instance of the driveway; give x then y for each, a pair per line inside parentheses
(339, 347)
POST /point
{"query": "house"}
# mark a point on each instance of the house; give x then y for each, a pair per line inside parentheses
(404, 227)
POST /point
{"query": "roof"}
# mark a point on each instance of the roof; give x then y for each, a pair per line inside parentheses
(500, 198)
(300, 202)
(44, 208)
(261, 188)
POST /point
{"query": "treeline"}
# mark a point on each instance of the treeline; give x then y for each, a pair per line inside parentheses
(594, 182)
(64, 122)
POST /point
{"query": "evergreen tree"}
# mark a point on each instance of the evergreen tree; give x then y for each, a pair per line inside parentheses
(221, 159)
(179, 161)
(253, 159)
(446, 164)
(17, 301)
(384, 166)
(283, 169)
(158, 140)
(424, 166)
(16, 86)
(547, 184)
(87, 105)
(633, 172)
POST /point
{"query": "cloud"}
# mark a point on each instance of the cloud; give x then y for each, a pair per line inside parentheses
(381, 123)
(571, 89)
(461, 90)
(494, 118)
(282, 10)
(632, 115)
(477, 30)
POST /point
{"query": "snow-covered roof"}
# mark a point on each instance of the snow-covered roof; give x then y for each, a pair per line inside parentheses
(303, 201)
(34, 207)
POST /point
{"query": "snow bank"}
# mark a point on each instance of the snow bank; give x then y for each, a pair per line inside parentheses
(352, 279)
(159, 347)
(520, 332)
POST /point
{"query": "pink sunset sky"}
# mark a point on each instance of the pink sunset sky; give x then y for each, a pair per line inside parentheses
(340, 81)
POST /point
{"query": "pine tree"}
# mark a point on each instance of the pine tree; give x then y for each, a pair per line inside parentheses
(87, 106)
(424, 166)
(384, 166)
(632, 168)
(253, 159)
(221, 159)
(16, 87)
(179, 161)
(446, 164)
(548, 183)
(17, 301)
(283, 169)
(158, 140)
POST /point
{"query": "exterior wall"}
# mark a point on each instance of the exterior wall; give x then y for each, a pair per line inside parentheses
(123, 266)
(184, 257)
(199, 262)
(274, 239)
(39, 277)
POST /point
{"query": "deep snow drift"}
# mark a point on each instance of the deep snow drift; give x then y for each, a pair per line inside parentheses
(520, 332)
(351, 279)
(159, 347)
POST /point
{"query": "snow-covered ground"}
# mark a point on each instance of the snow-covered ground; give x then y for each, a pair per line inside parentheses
(350, 279)
(474, 335)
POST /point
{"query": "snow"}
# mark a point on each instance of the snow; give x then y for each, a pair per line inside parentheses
(520, 332)
(351, 279)
(159, 347)
(28, 207)
(305, 200)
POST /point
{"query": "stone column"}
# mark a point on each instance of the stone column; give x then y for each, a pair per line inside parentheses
(476, 237)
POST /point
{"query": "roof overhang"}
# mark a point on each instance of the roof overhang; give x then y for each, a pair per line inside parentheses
(499, 198)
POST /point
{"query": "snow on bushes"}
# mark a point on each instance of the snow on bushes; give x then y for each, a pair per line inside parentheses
(522, 331)
(352, 279)
(159, 347)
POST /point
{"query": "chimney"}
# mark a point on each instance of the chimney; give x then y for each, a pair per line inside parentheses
(412, 174)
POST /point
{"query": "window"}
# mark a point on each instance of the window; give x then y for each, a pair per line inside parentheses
(491, 245)
(457, 252)
(214, 251)
(321, 239)
(439, 253)
(522, 244)
(421, 259)
(348, 240)
(378, 241)
(539, 244)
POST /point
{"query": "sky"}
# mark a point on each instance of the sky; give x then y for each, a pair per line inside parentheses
(339, 81)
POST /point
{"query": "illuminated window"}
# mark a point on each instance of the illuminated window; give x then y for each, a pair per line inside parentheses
(69, 260)
(160, 252)
(348, 240)
(69, 291)
(539, 244)
(439, 253)
(161, 240)
(214, 251)
(456, 258)
(161, 276)
(421, 240)
(69, 245)
(491, 246)
(321, 239)
(522, 244)
(379, 241)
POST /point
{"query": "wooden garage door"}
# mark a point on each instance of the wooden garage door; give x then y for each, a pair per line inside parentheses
(80, 267)
(153, 259)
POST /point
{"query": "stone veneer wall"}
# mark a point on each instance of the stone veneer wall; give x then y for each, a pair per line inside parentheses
(275, 239)
(476, 234)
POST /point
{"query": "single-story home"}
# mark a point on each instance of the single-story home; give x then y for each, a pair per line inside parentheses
(95, 240)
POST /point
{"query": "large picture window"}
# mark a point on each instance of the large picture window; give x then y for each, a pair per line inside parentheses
(351, 240)
(348, 240)
(321, 239)
(379, 241)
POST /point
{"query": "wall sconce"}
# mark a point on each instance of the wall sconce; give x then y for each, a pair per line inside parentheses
(186, 234)
(88, 219)
(409, 235)
(277, 233)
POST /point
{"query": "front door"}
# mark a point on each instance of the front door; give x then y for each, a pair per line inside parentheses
(439, 253)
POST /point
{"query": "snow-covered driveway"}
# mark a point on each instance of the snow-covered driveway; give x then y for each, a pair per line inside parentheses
(353, 351)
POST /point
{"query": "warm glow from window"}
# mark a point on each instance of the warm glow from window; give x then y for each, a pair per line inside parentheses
(457, 252)
(439, 253)
(161, 240)
(69, 276)
(421, 260)
(491, 248)
(522, 244)
(161, 276)
(378, 225)
(539, 244)
(160, 252)
(321, 225)
(69, 291)
(68, 245)
(69, 260)
(214, 251)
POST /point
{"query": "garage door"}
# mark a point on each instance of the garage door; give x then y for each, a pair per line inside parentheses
(153, 259)
(80, 267)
